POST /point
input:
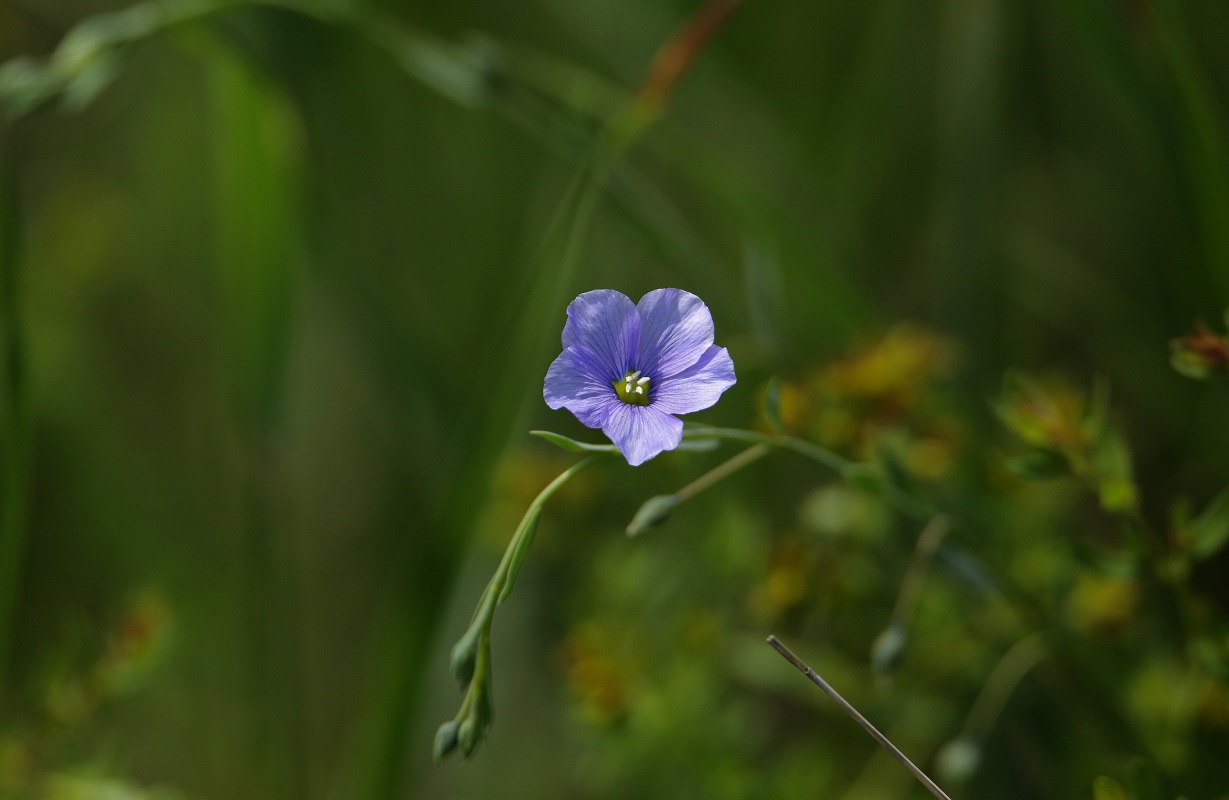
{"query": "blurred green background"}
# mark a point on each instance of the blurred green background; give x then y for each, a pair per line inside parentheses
(280, 285)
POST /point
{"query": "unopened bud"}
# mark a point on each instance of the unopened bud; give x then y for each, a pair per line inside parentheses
(889, 648)
(654, 512)
(445, 739)
(464, 657)
(468, 734)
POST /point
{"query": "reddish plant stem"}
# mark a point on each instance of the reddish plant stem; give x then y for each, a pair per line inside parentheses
(677, 54)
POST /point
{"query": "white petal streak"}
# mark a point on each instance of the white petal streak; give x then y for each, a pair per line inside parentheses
(698, 387)
(642, 432)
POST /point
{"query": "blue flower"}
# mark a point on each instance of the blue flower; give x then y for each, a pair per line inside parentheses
(628, 368)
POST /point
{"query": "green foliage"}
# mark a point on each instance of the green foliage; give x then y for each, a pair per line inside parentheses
(1209, 532)
(279, 291)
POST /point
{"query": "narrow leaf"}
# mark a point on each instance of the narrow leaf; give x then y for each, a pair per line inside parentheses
(1209, 532)
(772, 405)
(573, 446)
(524, 538)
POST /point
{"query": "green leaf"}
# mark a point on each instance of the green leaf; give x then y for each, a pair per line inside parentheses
(573, 446)
(1115, 484)
(1106, 788)
(900, 483)
(772, 405)
(867, 477)
(1145, 781)
(1209, 532)
(1097, 412)
(1189, 365)
(1037, 464)
(1020, 408)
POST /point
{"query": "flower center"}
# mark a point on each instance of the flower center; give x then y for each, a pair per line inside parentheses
(633, 389)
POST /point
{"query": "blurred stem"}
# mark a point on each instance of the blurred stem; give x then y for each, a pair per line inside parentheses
(803, 448)
(1206, 151)
(911, 587)
(676, 55)
(257, 168)
(656, 509)
(471, 654)
(16, 441)
(903, 502)
(1006, 675)
(722, 471)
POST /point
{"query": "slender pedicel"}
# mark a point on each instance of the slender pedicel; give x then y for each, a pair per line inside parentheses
(656, 509)
(889, 646)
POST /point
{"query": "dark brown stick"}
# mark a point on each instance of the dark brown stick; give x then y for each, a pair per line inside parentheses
(861, 720)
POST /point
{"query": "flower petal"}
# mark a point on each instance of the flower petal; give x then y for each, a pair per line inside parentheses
(642, 432)
(576, 381)
(696, 387)
(675, 330)
(605, 323)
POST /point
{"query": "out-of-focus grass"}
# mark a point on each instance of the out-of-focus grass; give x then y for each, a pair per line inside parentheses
(283, 315)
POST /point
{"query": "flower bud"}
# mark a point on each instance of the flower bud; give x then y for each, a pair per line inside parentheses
(889, 648)
(464, 657)
(468, 734)
(654, 512)
(445, 739)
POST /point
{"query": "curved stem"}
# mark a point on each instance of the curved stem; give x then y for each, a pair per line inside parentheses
(804, 448)
(911, 587)
(722, 471)
(1006, 675)
(471, 654)
(903, 502)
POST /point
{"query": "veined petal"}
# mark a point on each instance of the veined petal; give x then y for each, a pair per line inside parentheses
(698, 386)
(605, 323)
(576, 381)
(642, 432)
(675, 330)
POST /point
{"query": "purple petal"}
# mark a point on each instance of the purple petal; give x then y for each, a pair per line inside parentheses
(576, 381)
(675, 330)
(642, 432)
(605, 323)
(697, 387)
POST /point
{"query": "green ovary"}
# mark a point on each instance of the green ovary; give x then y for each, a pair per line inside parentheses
(633, 389)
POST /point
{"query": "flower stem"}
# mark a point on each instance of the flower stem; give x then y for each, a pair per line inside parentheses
(470, 662)
(657, 509)
(1006, 675)
(927, 543)
(722, 471)
(676, 55)
(14, 514)
(803, 448)
(886, 743)
(904, 502)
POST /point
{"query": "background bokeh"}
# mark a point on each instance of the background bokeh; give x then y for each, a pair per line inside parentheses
(280, 285)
